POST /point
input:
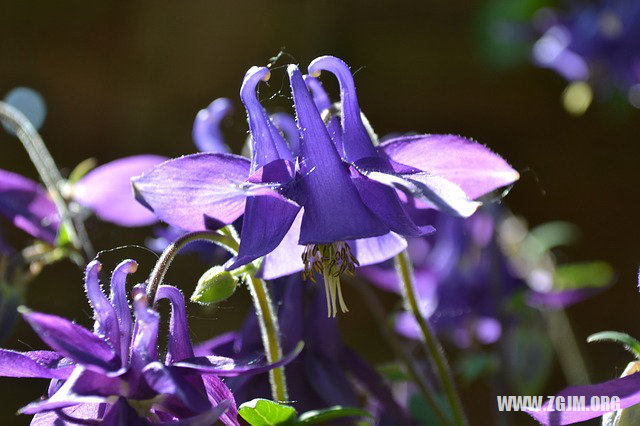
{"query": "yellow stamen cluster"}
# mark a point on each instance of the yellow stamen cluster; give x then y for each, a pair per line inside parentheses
(331, 261)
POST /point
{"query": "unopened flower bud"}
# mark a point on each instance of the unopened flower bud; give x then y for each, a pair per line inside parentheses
(214, 286)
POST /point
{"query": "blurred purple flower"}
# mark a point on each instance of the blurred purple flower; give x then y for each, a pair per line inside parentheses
(598, 43)
(325, 373)
(114, 373)
(463, 281)
(27, 205)
(322, 199)
(207, 134)
(106, 191)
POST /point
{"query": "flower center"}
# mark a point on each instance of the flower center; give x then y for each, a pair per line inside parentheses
(330, 260)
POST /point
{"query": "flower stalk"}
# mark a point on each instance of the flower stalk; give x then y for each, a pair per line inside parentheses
(431, 343)
(49, 173)
(377, 310)
(265, 312)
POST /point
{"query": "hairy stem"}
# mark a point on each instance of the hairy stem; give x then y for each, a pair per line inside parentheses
(49, 173)
(267, 318)
(432, 345)
(167, 256)
(270, 336)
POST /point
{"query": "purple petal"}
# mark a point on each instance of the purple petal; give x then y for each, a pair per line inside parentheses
(626, 388)
(265, 223)
(168, 381)
(266, 142)
(433, 190)
(355, 138)
(407, 326)
(106, 190)
(179, 344)
(287, 125)
(206, 128)
(220, 396)
(286, 258)
(86, 413)
(386, 205)
(106, 322)
(121, 304)
(470, 165)
(333, 208)
(73, 341)
(370, 251)
(322, 101)
(196, 191)
(26, 204)
(228, 367)
(43, 364)
(82, 386)
(144, 346)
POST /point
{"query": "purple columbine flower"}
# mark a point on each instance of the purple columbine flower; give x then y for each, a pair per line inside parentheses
(598, 43)
(115, 374)
(337, 209)
(326, 372)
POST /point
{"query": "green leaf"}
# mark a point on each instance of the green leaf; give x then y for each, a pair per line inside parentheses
(582, 275)
(629, 343)
(554, 234)
(214, 286)
(394, 372)
(263, 412)
(474, 366)
(331, 413)
(82, 169)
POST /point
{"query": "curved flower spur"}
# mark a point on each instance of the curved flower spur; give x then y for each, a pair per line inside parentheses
(341, 201)
(114, 374)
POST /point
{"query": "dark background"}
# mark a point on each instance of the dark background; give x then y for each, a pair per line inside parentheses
(123, 78)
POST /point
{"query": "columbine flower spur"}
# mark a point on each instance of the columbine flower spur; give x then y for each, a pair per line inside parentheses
(335, 189)
(114, 374)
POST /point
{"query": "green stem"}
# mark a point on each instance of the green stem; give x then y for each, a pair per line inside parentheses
(377, 310)
(566, 347)
(227, 238)
(169, 253)
(270, 336)
(49, 173)
(432, 345)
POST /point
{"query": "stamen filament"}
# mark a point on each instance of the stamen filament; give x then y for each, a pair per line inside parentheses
(330, 260)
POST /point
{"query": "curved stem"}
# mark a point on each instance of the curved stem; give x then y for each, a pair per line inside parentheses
(270, 336)
(49, 173)
(377, 310)
(167, 256)
(268, 320)
(432, 345)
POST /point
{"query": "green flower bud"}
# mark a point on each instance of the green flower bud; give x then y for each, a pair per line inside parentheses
(214, 286)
